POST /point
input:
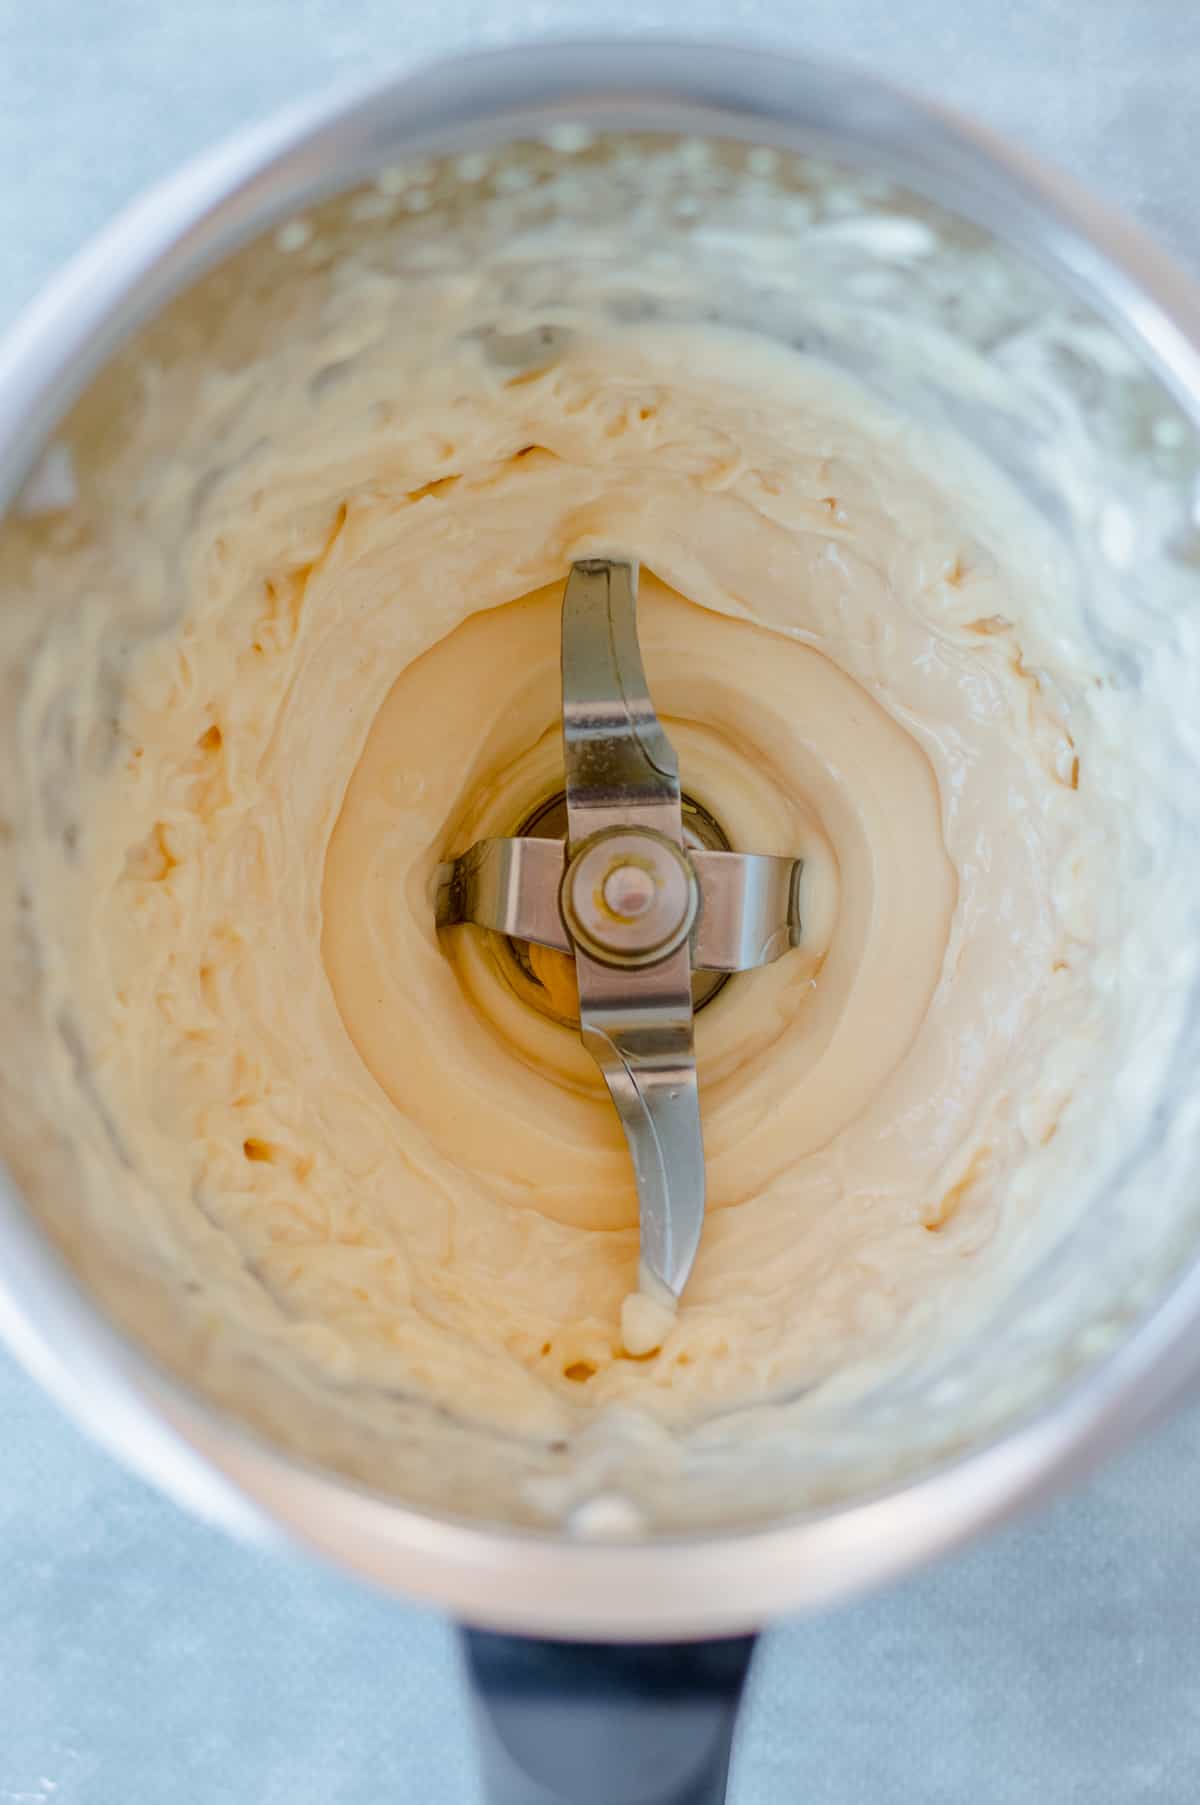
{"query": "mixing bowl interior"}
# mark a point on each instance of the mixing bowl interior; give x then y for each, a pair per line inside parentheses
(556, 234)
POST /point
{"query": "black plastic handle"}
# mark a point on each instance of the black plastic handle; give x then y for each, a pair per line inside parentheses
(601, 1723)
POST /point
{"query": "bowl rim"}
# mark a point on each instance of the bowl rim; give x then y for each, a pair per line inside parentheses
(509, 1578)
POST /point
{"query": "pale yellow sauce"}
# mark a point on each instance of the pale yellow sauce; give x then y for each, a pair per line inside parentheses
(424, 1176)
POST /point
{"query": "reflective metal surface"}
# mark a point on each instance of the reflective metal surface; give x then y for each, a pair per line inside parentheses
(749, 911)
(621, 768)
(621, 772)
(629, 897)
(624, 822)
(510, 886)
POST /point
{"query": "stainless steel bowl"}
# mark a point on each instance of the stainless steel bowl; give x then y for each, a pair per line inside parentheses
(1120, 1350)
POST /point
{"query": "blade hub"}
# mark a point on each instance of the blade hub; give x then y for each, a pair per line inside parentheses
(639, 910)
(629, 897)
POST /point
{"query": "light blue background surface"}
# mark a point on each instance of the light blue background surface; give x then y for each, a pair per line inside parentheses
(144, 1660)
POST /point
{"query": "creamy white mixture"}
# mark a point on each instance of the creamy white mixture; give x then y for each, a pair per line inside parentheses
(863, 649)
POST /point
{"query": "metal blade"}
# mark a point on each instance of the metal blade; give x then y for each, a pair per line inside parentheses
(621, 771)
(749, 911)
(621, 768)
(510, 886)
(649, 1065)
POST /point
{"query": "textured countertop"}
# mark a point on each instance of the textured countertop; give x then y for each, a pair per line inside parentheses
(144, 1660)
